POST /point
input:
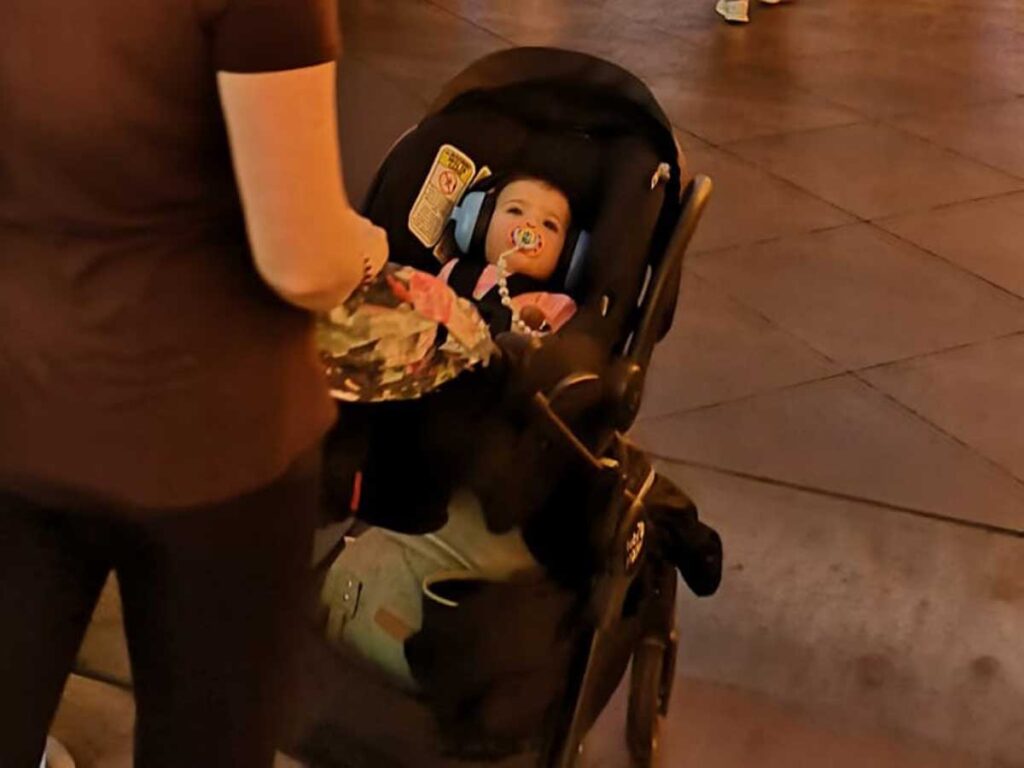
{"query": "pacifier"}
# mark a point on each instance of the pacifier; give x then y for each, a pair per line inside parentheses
(526, 239)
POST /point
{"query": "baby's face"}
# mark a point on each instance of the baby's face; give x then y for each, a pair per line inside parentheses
(530, 211)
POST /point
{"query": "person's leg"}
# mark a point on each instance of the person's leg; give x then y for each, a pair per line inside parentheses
(51, 573)
(212, 601)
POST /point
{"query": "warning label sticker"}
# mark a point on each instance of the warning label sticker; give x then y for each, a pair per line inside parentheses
(448, 178)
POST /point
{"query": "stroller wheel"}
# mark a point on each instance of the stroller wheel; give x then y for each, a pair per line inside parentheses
(643, 716)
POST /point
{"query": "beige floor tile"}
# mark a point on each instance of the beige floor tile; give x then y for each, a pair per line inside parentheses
(415, 43)
(689, 143)
(749, 205)
(993, 134)
(983, 236)
(722, 726)
(978, 47)
(363, 91)
(842, 436)
(719, 350)
(873, 170)
(882, 82)
(777, 33)
(860, 296)
(975, 393)
(644, 49)
(861, 616)
(722, 106)
(95, 722)
(104, 652)
(696, 16)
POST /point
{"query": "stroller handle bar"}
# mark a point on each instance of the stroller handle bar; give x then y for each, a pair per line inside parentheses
(665, 281)
(657, 308)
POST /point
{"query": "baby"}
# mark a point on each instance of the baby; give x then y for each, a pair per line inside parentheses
(523, 251)
(374, 595)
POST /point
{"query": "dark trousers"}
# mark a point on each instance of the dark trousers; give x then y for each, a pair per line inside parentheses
(211, 596)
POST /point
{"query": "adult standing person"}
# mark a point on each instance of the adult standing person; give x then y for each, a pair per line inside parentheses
(738, 11)
(171, 214)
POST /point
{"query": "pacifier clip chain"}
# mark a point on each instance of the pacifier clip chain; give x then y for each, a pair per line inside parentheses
(523, 239)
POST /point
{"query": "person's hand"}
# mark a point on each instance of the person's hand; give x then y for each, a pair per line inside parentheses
(368, 241)
(534, 317)
(528, 364)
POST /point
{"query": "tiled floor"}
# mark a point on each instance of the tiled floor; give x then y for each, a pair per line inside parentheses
(842, 390)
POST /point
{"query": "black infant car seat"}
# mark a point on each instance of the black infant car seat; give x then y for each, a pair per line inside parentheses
(595, 131)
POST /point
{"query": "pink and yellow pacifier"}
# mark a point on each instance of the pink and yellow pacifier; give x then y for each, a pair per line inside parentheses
(526, 239)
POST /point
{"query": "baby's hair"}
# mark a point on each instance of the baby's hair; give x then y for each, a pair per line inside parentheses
(446, 249)
(511, 178)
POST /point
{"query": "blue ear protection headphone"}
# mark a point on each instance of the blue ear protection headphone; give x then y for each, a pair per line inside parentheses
(472, 217)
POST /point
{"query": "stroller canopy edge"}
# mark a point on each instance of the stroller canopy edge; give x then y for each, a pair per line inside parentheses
(535, 64)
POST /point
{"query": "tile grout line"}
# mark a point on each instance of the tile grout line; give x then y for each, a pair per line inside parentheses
(768, 240)
(951, 204)
(742, 399)
(882, 121)
(938, 256)
(471, 22)
(757, 312)
(102, 677)
(840, 496)
(856, 374)
(936, 352)
(400, 85)
(729, 149)
(774, 134)
(891, 48)
(845, 371)
(726, 149)
(860, 115)
(941, 430)
(726, 145)
(889, 122)
(754, 64)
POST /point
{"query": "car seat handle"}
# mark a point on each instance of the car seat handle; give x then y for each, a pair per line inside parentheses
(664, 286)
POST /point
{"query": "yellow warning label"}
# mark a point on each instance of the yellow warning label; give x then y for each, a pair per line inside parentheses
(448, 178)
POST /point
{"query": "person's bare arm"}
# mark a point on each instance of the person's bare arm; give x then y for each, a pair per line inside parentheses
(308, 243)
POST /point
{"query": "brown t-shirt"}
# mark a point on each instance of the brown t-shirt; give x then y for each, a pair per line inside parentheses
(141, 359)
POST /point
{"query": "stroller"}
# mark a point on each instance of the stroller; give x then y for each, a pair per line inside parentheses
(621, 532)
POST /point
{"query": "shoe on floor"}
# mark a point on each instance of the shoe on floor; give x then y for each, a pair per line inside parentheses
(734, 11)
(773, 2)
(56, 755)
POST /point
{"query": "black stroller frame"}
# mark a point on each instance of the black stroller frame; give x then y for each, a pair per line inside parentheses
(623, 534)
(620, 530)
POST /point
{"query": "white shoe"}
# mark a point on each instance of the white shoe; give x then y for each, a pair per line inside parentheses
(56, 755)
(772, 2)
(734, 10)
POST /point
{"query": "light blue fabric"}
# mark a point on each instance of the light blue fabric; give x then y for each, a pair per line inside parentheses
(383, 572)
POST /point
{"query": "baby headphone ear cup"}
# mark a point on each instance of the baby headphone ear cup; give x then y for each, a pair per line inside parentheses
(466, 216)
(478, 243)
